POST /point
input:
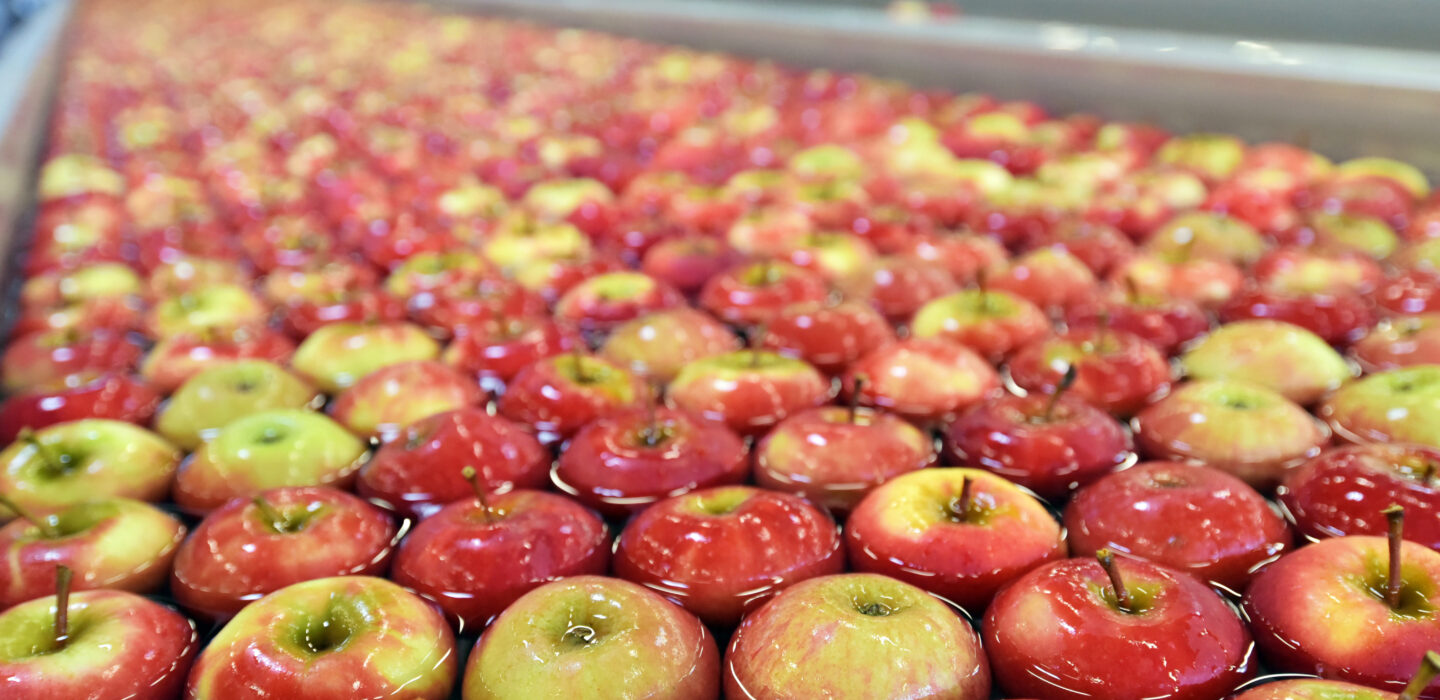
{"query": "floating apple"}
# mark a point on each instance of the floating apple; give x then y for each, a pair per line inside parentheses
(923, 380)
(383, 402)
(1393, 406)
(71, 463)
(338, 355)
(558, 395)
(748, 390)
(215, 397)
(1288, 359)
(1343, 491)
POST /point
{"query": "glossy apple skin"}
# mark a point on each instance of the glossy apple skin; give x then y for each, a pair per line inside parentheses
(925, 380)
(609, 466)
(121, 646)
(688, 263)
(57, 359)
(755, 293)
(993, 323)
(385, 401)
(497, 351)
(659, 345)
(177, 358)
(813, 641)
(722, 552)
(337, 355)
(1291, 360)
(1343, 491)
(1053, 634)
(1115, 371)
(591, 307)
(1404, 341)
(1166, 323)
(905, 529)
(828, 337)
(397, 641)
(116, 543)
(1007, 436)
(1187, 517)
(555, 399)
(234, 557)
(1393, 406)
(403, 475)
(1260, 441)
(664, 653)
(824, 456)
(473, 567)
(1320, 610)
(113, 396)
(1313, 689)
(1340, 319)
(898, 286)
(748, 390)
(113, 458)
(488, 300)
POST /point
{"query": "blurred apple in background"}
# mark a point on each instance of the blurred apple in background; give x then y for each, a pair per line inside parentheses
(214, 397)
(83, 460)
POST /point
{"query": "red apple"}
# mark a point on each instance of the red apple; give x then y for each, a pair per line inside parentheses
(828, 337)
(748, 390)
(757, 292)
(1342, 491)
(923, 380)
(388, 399)
(1116, 371)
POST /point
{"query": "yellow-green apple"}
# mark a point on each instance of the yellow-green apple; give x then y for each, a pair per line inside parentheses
(1203, 281)
(78, 461)
(429, 272)
(756, 292)
(1211, 156)
(855, 636)
(622, 463)
(416, 473)
(1283, 357)
(476, 556)
(519, 240)
(1403, 341)
(748, 390)
(724, 551)
(1395, 406)
(187, 273)
(656, 346)
(1120, 628)
(558, 395)
(990, 322)
(961, 534)
(98, 281)
(217, 306)
(1358, 609)
(250, 547)
(214, 397)
(583, 202)
(174, 359)
(922, 380)
(1240, 428)
(1189, 517)
(1343, 491)
(608, 300)
(828, 336)
(111, 543)
(1315, 689)
(1307, 271)
(1406, 175)
(268, 450)
(328, 639)
(834, 455)
(383, 402)
(339, 354)
(590, 636)
(107, 644)
(1206, 235)
(834, 255)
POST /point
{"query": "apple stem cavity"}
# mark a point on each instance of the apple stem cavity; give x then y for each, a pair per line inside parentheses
(1066, 381)
(63, 576)
(46, 529)
(1393, 583)
(53, 463)
(273, 518)
(1122, 594)
(473, 477)
(1424, 676)
(855, 387)
(577, 363)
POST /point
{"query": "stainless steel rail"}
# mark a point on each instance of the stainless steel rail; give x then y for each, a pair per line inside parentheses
(29, 66)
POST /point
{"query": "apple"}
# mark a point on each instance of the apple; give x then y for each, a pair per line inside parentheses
(109, 396)
(430, 272)
(1204, 281)
(321, 639)
(1377, 592)
(833, 255)
(621, 464)
(1407, 292)
(991, 322)
(1342, 491)
(1243, 429)
(55, 359)
(1339, 319)
(833, 455)
(1127, 628)
(115, 543)
(302, 317)
(214, 397)
(383, 402)
(477, 556)
(828, 337)
(968, 257)
(855, 636)
(1310, 271)
(268, 450)
(1115, 371)
(496, 351)
(189, 273)
(1167, 323)
(748, 390)
(558, 395)
(97, 281)
(961, 534)
(687, 263)
(338, 355)
(593, 635)
(756, 292)
(1285, 358)
(95, 644)
(1403, 341)
(177, 358)
(1188, 517)
(1316, 689)
(926, 381)
(722, 552)
(413, 475)
(897, 286)
(74, 462)
(1211, 156)
(1050, 278)
(456, 308)
(1394, 406)
(656, 346)
(607, 300)
(217, 306)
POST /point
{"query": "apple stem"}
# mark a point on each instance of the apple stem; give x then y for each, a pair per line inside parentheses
(961, 506)
(651, 433)
(272, 517)
(1122, 594)
(52, 462)
(47, 530)
(473, 477)
(1427, 477)
(582, 374)
(982, 282)
(1066, 381)
(63, 575)
(1396, 515)
(1132, 290)
(756, 338)
(856, 386)
(1424, 676)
